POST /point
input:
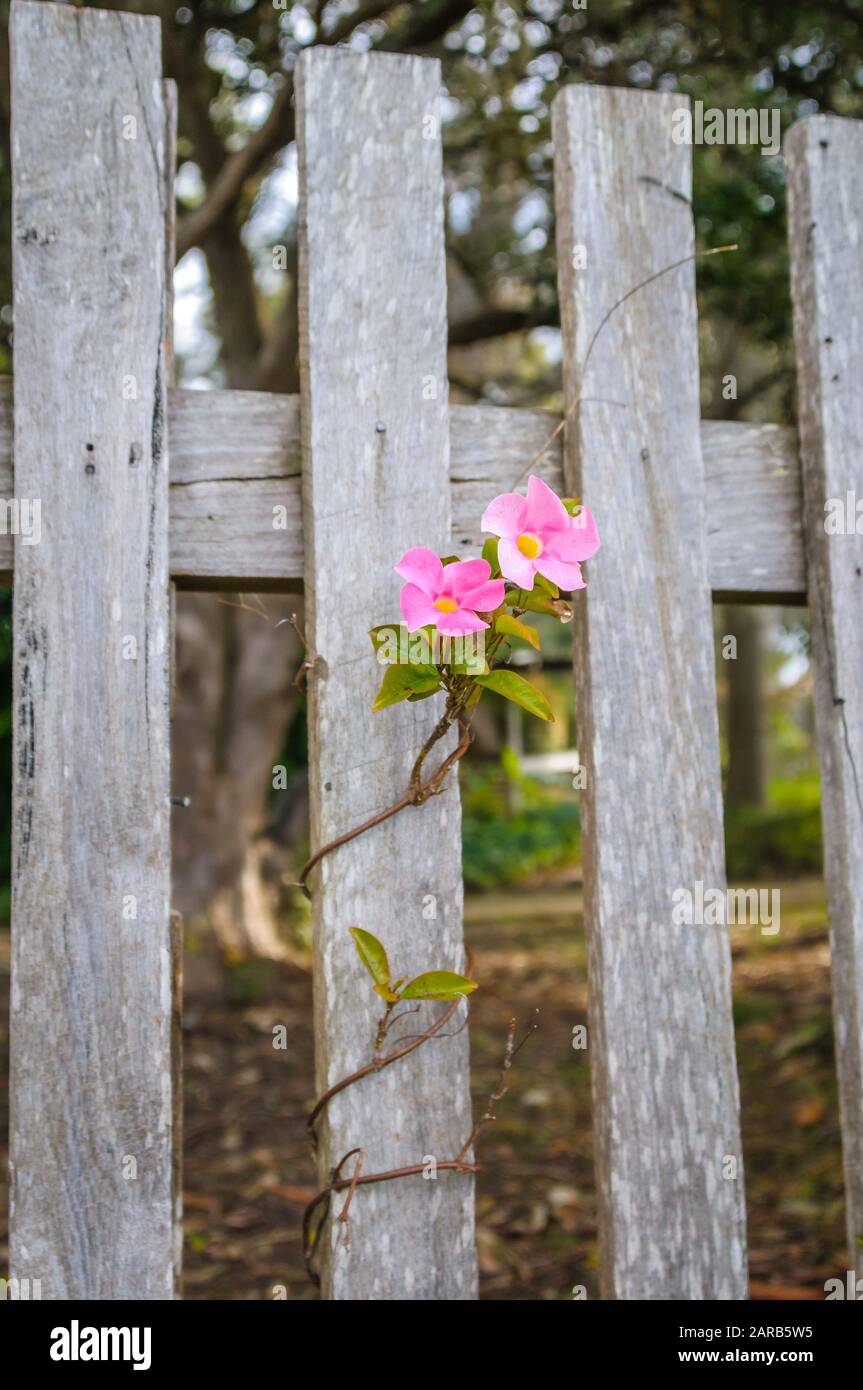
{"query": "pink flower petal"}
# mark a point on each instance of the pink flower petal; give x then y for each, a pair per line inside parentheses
(562, 545)
(584, 527)
(545, 511)
(422, 568)
(460, 623)
(463, 576)
(578, 542)
(504, 515)
(566, 575)
(485, 599)
(515, 566)
(417, 608)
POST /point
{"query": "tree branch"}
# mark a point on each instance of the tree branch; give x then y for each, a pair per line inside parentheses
(495, 323)
(224, 192)
(277, 131)
(424, 27)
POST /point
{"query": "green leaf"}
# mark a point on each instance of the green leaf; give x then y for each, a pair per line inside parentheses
(514, 687)
(572, 504)
(538, 602)
(387, 993)
(438, 984)
(515, 598)
(541, 582)
(474, 664)
(489, 552)
(400, 682)
(372, 955)
(512, 627)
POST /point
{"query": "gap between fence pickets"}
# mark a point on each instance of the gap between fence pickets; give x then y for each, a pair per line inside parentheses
(236, 509)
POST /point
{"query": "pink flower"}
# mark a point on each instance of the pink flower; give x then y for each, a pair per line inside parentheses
(447, 596)
(538, 536)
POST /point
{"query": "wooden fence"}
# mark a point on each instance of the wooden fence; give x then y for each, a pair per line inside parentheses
(143, 487)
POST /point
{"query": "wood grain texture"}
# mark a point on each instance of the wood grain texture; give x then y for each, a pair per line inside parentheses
(375, 476)
(91, 1161)
(752, 498)
(824, 157)
(661, 1034)
(169, 102)
(236, 505)
(235, 461)
(754, 513)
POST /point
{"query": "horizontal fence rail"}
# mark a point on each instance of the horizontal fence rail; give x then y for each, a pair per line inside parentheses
(236, 505)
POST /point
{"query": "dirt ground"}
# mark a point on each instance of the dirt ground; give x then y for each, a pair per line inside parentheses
(248, 1172)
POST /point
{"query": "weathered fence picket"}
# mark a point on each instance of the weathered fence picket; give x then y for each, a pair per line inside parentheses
(666, 1125)
(825, 162)
(92, 1209)
(268, 491)
(375, 474)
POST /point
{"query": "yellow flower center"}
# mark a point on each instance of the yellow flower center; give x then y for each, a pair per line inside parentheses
(445, 605)
(529, 545)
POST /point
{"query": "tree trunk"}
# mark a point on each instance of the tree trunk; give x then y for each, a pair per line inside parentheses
(234, 702)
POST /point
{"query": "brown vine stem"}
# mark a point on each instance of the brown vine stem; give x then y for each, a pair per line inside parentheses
(510, 1054)
(339, 1184)
(378, 1063)
(576, 401)
(344, 1215)
(416, 794)
(459, 1164)
(306, 665)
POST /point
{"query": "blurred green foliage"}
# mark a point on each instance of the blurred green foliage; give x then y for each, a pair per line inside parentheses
(784, 838)
(513, 826)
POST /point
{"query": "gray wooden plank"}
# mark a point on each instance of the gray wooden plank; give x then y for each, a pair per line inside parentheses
(169, 102)
(236, 504)
(672, 1225)
(824, 156)
(91, 1196)
(754, 512)
(753, 496)
(375, 474)
(235, 461)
